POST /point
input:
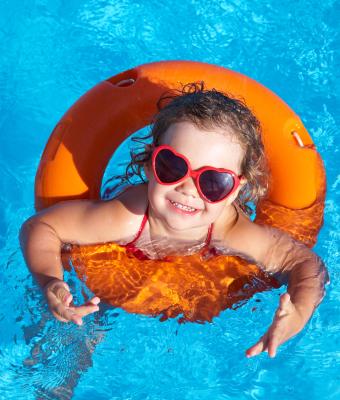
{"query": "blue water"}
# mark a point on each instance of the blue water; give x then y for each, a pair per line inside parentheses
(53, 51)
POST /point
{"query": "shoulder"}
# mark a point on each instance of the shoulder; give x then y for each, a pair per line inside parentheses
(88, 221)
(269, 247)
(134, 199)
(246, 232)
(121, 217)
(252, 240)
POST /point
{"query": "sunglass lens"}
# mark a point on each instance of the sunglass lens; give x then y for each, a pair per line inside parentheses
(216, 185)
(170, 168)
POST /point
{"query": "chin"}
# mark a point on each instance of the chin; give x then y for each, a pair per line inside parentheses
(181, 223)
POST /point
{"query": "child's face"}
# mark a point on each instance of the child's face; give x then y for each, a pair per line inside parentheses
(201, 148)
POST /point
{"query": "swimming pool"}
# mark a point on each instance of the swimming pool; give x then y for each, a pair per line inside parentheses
(52, 52)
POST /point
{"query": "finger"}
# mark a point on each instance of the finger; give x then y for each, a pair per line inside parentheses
(76, 319)
(63, 294)
(58, 317)
(64, 314)
(84, 310)
(285, 300)
(285, 306)
(69, 315)
(53, 300)
(71, 318)
(68, 300)
(258, 348)
(272, 347)
(56, 284)
(93, 301)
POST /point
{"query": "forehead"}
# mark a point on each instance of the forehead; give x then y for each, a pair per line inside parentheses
(214, 148)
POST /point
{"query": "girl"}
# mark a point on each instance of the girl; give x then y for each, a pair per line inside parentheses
(206, 162)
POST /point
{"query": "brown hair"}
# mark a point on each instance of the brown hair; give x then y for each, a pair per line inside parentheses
(209, 109)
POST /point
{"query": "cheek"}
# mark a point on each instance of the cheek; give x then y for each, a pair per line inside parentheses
(215, 210)
(156, 191)
(229, 200)
(232, 198)
(152, 187)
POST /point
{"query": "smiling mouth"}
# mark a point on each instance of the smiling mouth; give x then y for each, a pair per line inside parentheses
(184, 208)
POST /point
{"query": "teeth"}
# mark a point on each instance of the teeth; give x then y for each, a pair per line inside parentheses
(182, 206)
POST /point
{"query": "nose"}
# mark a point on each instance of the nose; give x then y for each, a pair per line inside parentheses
(188, 188)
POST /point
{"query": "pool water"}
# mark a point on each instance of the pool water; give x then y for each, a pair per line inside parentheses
(52, 51)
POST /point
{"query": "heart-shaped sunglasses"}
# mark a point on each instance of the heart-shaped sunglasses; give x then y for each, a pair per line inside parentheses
(213, 184)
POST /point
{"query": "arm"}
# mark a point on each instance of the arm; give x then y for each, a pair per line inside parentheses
(303, 271)
(296, 265)
(292, 263)
(41, 247)
(42, 236)
(306, 285)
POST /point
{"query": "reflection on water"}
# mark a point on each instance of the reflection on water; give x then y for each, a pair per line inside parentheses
(59, 353)
(197, 285)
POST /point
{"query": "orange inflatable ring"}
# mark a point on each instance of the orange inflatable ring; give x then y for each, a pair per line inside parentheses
(82, 143)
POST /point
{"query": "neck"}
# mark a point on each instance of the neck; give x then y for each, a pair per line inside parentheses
(226, 223)
(159, 229)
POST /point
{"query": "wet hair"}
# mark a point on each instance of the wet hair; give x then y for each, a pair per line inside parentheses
(208, 110)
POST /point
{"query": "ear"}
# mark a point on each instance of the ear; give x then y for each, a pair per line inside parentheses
(243, 182)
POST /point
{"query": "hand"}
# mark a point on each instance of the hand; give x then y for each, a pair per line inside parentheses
(59, 300)
(287, 323)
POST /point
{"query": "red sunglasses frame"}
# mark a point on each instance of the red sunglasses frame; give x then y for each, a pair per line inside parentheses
(195, 174)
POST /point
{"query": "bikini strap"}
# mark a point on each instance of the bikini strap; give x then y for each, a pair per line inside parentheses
(142, 226)
(209, 234)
